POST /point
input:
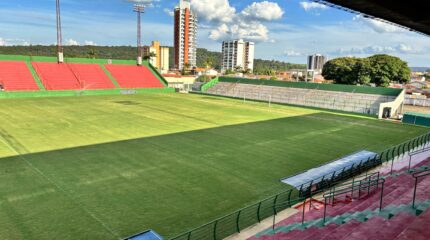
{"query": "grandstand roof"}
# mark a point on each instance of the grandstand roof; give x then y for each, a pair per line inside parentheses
(404, 13)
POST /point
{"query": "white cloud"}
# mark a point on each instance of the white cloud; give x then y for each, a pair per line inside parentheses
(214, 10)
(252, 31)
(292, 53)
(376, 49)
(308, 6)
(90, 43)
(266, 11)
(225, 23)
(378, 25)
(71, 42)
(2, 42)
(169, 12)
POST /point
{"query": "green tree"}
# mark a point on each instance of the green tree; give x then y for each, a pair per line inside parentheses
(209, 62)
(229, 71)
(378, 69)
(386, 69)
(203, 78)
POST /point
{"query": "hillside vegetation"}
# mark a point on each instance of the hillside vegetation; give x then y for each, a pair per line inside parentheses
(204, 56)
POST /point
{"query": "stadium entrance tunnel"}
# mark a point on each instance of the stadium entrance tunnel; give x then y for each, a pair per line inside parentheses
(170, 182)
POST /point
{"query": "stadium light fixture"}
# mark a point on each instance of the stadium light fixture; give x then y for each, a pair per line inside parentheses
(139, 9)
(60, 55)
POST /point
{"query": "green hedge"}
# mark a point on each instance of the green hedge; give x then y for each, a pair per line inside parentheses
(326, 87)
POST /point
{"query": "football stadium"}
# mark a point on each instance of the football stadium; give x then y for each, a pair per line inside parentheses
(105, 149)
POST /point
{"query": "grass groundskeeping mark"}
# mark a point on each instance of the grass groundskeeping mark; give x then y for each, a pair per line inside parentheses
(168, 162)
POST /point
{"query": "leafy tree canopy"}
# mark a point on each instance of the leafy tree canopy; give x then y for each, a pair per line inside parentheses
(379, 69)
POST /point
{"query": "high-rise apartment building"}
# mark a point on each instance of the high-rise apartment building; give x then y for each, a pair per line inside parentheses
(185, 35)
(160, 58)
(237, 54)
(316, 62)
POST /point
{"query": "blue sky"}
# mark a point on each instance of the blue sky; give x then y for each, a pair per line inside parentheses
(285, 30)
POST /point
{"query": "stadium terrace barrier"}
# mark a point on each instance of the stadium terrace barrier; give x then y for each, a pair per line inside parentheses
(243, 218)
(420, 119)
(211, 83)
(317, 86)
(71, 93)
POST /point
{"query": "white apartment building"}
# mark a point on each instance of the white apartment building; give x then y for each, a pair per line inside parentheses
(237, 54)
(316, 62)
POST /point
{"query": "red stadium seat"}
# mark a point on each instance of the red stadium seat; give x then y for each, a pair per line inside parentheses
(55, 76)
(15, 76)
(129, 76)
(91, 76)
(72, 76)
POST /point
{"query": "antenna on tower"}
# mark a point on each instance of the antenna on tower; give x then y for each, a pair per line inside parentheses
(60, 54)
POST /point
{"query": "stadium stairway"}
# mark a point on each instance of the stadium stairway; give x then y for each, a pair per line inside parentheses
(129, 76)
(362, 219)
(15, 76)
(55, 76)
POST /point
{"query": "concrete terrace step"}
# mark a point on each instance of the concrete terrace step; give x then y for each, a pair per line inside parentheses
(337, 227)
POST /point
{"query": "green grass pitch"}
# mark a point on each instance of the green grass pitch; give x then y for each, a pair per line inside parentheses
(107, 167)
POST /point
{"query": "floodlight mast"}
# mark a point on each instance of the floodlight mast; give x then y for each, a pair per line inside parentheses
(60, 56)
(139, 9)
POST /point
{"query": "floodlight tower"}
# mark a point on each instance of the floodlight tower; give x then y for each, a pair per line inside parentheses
(139, 9)
(60, 56)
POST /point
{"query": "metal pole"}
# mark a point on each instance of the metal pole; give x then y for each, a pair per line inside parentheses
(139, 35)
(273, 225)
(415, 192)
(216, 223)
(410, 161)
(303, 215)
(258, 212)
(237, 221)
(325, 208)
(59, 34)
(382, 195)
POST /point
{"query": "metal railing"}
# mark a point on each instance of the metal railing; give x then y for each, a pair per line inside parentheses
(417, 152)
(243, 218)
(350, 188)
(418, 175)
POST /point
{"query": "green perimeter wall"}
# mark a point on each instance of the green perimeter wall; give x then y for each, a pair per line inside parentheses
(317, 86)
(71, 93)
(419, 119)
(69, 60)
